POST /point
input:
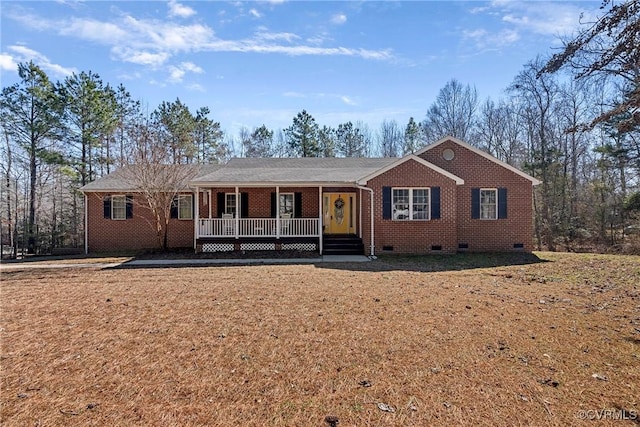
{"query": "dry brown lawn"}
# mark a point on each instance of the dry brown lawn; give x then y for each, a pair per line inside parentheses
(460, 340)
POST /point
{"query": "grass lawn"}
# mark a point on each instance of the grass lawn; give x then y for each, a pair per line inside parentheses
(498, 340)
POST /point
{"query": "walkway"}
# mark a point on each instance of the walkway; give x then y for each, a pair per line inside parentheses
(182, 262)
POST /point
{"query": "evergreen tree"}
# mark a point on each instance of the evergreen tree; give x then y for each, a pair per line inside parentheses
(90, 118)
(302, 136)
(31, 113)
(259, 143)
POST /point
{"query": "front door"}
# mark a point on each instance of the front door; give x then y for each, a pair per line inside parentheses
(338, 211)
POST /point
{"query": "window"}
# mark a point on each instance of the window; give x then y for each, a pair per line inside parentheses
(118, 207)
(230, 204)
(286, 204)
(185, 206)
(488, 203)
(410, 203)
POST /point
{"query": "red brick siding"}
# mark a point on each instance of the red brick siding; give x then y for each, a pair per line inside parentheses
(260, 201)
(479, 172)
(105, 234)
(411, 236)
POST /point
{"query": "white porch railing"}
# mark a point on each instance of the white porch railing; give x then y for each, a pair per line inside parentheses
(257, 227)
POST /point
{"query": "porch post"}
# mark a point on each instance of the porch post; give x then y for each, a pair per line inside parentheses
(237, 213)
(209, 201)
(196, 217)
(277, 211)
(360, 211)
(320, 219)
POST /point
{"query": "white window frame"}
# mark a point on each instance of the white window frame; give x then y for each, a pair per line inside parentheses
(282, 206)
(181, 198)
(230, 208)
(411, 211)
(120, 199)
(484, 212)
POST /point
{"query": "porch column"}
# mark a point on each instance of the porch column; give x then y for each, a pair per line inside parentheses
(277, 211)
(360, 211)
(196, 216)
(320, 219)
(237, 212)
(209, 201)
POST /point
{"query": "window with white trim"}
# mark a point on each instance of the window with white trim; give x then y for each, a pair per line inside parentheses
(286, 204)
(230, 204)
(488, 203)
(185, 206)
(118, 207)
(410, 204)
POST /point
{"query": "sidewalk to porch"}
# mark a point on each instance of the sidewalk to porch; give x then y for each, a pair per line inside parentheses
(5, 266)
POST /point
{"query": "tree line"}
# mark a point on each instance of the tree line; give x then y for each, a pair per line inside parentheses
(572, 120)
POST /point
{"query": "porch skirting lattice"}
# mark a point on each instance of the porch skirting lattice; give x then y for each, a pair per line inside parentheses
(257, 244)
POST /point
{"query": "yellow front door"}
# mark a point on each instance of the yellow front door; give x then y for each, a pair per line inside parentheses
(339, 213)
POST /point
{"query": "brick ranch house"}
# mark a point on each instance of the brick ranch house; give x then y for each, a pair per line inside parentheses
(447, 197)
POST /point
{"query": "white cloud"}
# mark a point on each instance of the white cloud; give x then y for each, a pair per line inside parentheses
(264, 34)
(548, 18)
(7, 62)
(141, 57)
(484, 39)
(348, 100)
(25, 54)
(195, 87)
(177, 9)
(152, 42)
(177, 73)
(255, 13)
(339, 19)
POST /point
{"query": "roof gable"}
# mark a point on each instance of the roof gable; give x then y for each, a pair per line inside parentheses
(365, 179)
(481, 153)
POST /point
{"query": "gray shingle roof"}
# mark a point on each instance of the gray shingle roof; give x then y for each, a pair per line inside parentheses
(117, 180)
(294, 170)
(311, 170)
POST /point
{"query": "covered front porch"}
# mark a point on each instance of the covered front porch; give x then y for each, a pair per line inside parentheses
(273, 218)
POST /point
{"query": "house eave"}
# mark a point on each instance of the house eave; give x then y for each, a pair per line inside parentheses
(269, 184)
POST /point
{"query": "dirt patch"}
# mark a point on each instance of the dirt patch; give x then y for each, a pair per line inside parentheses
(460, 340)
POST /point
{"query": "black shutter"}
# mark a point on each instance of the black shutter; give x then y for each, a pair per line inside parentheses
(129, 207)
(386, 202)
(220, 204)
(297, 205)
(502, 203)
(475, 203)
(174, 207)
(107, 206)
(435, 202)
(244, 205)
(273, 204)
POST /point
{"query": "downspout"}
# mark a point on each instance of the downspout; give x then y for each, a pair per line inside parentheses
(86, 226)
(373, 246)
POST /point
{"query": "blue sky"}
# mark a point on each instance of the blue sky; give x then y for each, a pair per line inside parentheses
(262, 62)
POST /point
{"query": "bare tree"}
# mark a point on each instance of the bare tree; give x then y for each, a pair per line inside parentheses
(156, 179)
(452, 113)
(389, 139)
